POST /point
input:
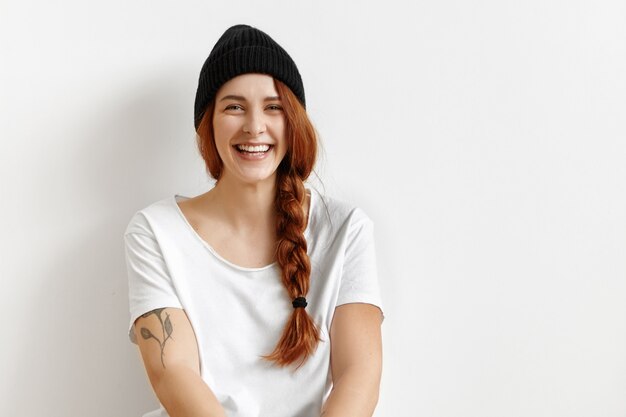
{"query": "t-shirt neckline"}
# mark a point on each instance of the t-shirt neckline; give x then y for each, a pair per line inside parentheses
(204, 243)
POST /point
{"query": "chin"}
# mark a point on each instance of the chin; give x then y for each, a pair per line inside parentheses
(258, 179)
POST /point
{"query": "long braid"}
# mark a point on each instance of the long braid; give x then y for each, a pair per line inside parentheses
(300, 335)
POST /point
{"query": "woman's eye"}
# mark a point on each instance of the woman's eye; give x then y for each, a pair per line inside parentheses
(234, 107)
(274, 107)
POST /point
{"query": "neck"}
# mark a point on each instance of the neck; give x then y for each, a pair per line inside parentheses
(247, 207)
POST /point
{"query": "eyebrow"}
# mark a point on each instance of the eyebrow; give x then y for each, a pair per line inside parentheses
(242, 98)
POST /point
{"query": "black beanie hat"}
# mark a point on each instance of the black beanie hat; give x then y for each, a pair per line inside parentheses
(243, 49)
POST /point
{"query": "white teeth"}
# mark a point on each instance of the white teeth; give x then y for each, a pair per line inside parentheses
(257, 148)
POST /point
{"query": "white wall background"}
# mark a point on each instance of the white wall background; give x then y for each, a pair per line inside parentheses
(486, 139)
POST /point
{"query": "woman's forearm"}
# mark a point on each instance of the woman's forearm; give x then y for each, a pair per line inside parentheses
(183, 393)
(354, 394)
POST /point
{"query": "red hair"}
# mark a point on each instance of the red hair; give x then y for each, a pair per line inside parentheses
(300, 335)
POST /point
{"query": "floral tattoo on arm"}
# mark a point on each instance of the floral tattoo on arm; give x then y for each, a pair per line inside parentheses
(166, 326)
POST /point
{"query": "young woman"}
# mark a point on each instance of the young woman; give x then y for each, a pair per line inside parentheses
(260, 296)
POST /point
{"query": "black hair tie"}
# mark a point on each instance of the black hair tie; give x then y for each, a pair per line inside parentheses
(299, 302)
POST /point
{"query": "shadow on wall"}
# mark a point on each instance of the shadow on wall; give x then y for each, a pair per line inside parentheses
(77, 358)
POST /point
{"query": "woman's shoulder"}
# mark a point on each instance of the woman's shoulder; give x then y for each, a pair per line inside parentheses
(157, 212)
(337, 210)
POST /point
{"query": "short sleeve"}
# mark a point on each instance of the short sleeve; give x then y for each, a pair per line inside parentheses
(359, 278)
(149, 283)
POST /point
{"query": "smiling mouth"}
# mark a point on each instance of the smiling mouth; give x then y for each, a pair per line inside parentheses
(253, 150)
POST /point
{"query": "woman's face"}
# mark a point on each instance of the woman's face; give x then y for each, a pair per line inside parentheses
(249, 128)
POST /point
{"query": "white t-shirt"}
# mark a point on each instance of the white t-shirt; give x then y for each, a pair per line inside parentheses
(238, 314)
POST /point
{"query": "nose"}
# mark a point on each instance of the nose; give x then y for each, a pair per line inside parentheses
(254, 123)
